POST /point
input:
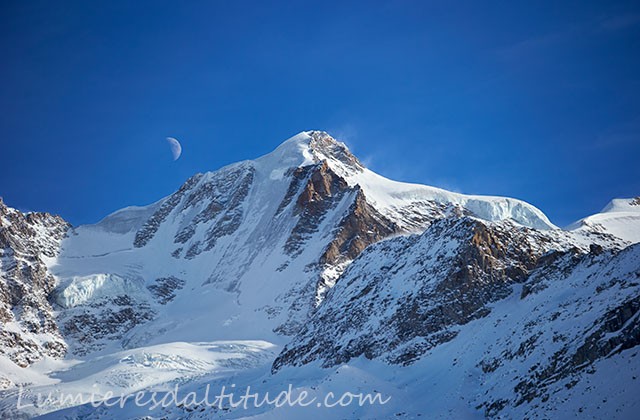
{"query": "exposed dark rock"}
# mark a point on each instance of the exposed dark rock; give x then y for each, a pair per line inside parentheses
(327, 147)
(149, 229)
(106, 320)
(299, 176)
(165, 287)
(323, 190)
(362, 226)
(230, 219)
(25, 285)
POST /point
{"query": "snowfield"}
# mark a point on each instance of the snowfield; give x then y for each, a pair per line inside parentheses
(156, 368)
(621, 217)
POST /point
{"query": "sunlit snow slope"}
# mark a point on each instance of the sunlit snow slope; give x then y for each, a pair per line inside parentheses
(621, 217)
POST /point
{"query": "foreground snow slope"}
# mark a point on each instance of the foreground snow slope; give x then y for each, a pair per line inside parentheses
(125, 372)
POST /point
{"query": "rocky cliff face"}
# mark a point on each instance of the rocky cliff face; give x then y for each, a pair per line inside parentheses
(28, 328)
(406, 295)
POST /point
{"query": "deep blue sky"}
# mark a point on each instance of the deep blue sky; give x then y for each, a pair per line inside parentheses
(537, 100)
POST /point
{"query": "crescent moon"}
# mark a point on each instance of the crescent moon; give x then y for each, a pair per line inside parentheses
(176, 149)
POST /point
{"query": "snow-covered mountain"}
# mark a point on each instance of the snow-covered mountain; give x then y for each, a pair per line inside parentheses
(303, 261)
(260, 239)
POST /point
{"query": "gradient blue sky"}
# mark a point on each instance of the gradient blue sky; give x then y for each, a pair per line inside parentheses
(534, 100)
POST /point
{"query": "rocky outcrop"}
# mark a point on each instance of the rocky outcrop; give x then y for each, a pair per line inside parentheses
(104, 321)
(165, 288)
(324, 147)
(224, 211)
(362, 226)
(217, 203)
(322, 192)
(151, 226)
(28, 329)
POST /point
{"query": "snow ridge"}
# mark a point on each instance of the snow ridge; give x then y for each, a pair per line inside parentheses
(621, 218)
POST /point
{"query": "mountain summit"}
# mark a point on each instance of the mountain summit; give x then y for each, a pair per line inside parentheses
(310, 147)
